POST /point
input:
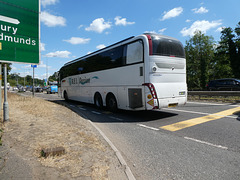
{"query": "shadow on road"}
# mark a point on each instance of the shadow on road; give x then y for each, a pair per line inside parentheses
(121, 116)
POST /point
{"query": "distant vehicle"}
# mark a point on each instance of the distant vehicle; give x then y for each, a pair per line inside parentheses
(38, 89)
(21, 89)
(229, 84)
(139, 73)
(15, 89)
(52, 89)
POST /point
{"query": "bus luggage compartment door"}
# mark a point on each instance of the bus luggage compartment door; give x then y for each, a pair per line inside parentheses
(135, 98)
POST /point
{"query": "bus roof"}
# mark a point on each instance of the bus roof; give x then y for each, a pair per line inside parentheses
(151, 34)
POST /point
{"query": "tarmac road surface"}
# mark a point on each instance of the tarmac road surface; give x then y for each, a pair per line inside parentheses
(196, 141)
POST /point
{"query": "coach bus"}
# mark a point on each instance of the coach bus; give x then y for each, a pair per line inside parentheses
(144, 72)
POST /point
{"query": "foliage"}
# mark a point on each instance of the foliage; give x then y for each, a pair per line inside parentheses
(15, 79)
(207, 60)
(199, 54)
(53, 77)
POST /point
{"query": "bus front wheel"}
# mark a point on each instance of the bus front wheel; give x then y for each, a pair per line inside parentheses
(112, 103)
(65, 96)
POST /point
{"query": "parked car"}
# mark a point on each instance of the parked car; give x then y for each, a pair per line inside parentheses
(229, 84)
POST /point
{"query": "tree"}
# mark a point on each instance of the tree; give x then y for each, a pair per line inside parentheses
(53, 77)
(230, 46)
(199, 55)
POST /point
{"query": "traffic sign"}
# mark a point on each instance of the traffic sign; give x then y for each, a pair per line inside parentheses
(20, 31)
(33, 65)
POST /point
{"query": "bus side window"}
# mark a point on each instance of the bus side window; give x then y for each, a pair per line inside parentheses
(134, 52)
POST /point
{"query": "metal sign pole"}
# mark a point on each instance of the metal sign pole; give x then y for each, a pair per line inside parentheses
(33, 83)
(5, 104)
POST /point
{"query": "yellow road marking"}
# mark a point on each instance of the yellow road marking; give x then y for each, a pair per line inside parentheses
(200, 120)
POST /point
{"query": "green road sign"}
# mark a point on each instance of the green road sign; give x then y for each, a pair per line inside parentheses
(19, 31)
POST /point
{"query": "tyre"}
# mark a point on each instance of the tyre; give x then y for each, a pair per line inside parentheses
(112, 103)
(98, 101)
(65, 96)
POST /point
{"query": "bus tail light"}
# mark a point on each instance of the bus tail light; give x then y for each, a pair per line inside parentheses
(152, 89)
(153, 93)
(150, 45)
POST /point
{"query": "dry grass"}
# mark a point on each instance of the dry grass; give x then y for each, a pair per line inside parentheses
(36, 124)
(220, 99)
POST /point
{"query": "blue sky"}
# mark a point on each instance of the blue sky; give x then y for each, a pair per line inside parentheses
(74, 28)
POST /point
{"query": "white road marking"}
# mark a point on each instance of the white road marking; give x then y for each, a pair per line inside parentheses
(95, 112)
(82, 108)
(204, 142)
(118, 119)
(148, 127)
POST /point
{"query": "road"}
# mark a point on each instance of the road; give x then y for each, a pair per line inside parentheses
(196, 141)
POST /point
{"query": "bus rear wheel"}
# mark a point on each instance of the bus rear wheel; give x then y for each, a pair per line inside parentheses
(98, 101)
(112, 103)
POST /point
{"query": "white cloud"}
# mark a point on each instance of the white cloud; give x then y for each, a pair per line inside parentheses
(150, 32)
(220, 29)
(201, 10)
(100, 46)
(52, 20)
(48, 2)
(161, 31)
(77, 40)
(60, 54)
(42, 46)
(98, 25)
(188, 20)
(172, 13)
(119, 21)
(14, 68)
(80, 26)
(202, 26)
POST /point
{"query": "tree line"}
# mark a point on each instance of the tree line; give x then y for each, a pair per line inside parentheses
(207, 60)
(14, 80)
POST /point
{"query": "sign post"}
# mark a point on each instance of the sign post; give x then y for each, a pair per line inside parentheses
(19, 35)
(5, 104)
(33, 66)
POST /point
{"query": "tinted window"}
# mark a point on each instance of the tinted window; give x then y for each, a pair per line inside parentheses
(167, 47)
(134, 52)
(106, 60)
